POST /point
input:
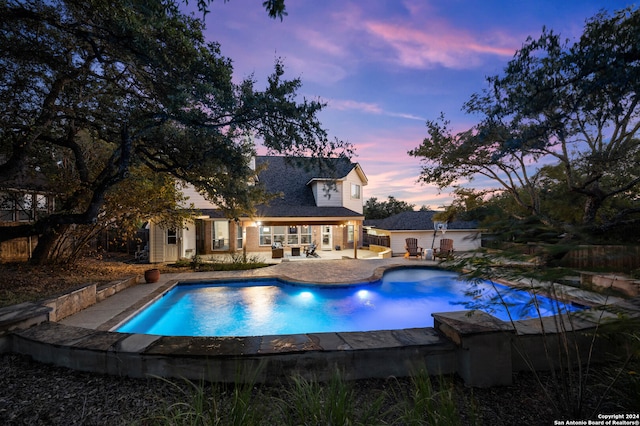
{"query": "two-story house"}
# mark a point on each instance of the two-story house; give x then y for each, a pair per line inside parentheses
(324, 206)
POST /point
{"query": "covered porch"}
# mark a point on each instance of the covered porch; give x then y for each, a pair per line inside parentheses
(216, 236)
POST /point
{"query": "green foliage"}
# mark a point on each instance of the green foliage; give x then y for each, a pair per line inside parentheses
(374, 209)
(201, 404)
(126, 85)
(313, 403)
(310, 402)
(196, 262)
(574, 106)
(230, 262)
(140, 197)
(427, 405)
(274, 8)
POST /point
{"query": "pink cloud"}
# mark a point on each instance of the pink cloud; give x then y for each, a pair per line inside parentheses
(368, 108)
(395, 179)
(348, 104)
(391, 171)
(320, 42)
(437, 45)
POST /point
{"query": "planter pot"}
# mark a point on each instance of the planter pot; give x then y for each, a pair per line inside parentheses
(152, 275)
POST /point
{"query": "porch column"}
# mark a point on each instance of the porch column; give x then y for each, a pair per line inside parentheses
(355, 240)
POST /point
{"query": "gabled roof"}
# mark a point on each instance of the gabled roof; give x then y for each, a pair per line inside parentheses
(290, 177)
(415, 221)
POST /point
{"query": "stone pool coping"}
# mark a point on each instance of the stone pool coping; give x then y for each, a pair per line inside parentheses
(484, 351)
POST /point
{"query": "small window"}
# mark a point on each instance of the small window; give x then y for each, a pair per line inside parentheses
(350, 229)
(25, 208)
(355, 191)
(239, 240)
(7, 208)
(42, 206)
(172, 236)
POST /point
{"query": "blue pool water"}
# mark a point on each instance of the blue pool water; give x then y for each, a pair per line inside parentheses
(403, 298)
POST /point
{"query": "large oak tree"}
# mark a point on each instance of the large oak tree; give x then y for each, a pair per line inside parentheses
(91, 89)
(573, 105)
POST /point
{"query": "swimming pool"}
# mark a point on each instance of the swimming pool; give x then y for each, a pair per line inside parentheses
(403, 298)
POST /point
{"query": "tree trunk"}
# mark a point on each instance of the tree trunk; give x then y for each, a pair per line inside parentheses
(47, 242)
(591, 207)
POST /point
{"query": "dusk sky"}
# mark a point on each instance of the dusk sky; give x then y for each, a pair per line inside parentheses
(385, 67)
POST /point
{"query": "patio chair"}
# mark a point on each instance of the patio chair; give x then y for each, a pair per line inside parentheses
(310, 250)
(446, 249)
(142, 254)
(411, 245)
(277, 251)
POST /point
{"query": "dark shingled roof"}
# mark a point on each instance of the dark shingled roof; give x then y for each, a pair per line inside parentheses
(289, 178)
(415, 221)
(28, 181)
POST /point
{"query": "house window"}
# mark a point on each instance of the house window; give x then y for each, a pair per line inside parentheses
(279, 234)
(355, 191)
(239, 240)
(172, 236)
(220, 235)
(265, 235)
(305, 234)
(350, 229)
(7, 208)
(285, 235)
(41, 206)
(292, 235)
(25, 207)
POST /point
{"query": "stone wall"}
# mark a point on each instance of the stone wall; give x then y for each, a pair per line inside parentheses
(73, 302)
(383, 252)
(622, 283)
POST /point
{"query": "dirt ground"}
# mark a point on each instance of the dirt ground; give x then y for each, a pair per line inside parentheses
(21, 282)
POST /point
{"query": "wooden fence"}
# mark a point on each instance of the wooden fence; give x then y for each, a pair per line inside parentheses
(17, 250)
(378, 240)
(20, 249)
(615, 258)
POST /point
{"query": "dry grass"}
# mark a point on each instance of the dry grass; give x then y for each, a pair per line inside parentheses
(22, 282)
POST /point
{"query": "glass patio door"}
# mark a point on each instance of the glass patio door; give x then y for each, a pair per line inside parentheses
(327, 238)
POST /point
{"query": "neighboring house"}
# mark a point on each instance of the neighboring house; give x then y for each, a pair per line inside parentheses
(22, 201)
(321, 206)
(420, 225)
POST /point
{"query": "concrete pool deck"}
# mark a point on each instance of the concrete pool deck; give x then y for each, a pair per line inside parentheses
(478, 347)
